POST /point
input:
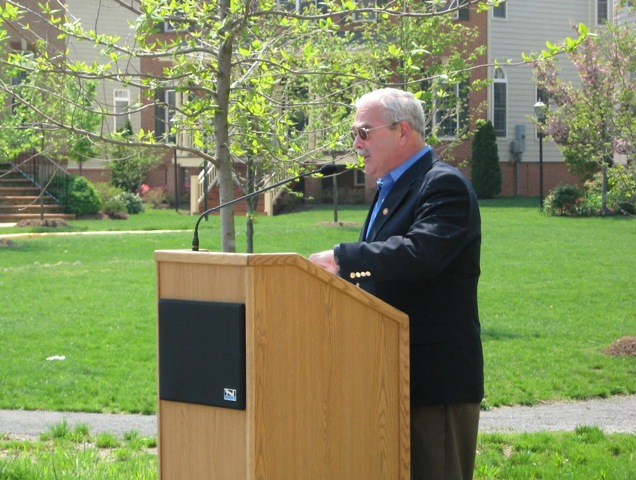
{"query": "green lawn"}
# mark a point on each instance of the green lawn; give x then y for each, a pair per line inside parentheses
(554, 293)
(65, 454)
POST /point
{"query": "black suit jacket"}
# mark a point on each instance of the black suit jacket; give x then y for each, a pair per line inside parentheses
(422, 257)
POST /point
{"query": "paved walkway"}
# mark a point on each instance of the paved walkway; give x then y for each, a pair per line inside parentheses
(613, 415)
(105, 232)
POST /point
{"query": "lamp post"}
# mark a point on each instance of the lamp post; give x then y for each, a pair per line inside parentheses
(539, 113)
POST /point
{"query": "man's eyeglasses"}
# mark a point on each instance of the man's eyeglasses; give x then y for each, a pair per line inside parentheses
(363, 132)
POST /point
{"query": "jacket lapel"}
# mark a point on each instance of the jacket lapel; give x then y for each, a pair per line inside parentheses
(366, 222)
(401, 188)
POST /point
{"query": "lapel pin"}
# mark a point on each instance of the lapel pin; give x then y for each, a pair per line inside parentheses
(385, 211)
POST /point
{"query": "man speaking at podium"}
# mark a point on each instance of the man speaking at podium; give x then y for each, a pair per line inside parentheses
(419, 251)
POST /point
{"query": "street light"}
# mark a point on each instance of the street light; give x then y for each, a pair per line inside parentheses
(539, 113)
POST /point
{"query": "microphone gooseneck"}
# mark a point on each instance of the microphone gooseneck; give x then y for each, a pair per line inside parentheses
(326, 170)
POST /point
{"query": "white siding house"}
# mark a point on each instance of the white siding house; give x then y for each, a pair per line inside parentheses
(524, 26)
(106, 17)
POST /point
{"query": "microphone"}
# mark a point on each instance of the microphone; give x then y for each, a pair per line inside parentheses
(326, 170)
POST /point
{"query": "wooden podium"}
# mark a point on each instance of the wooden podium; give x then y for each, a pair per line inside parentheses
(326, 374)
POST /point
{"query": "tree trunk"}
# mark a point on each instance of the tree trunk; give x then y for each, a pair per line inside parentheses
(221, 133)
(252, 205)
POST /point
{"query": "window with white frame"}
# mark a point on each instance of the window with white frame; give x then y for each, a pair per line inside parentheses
(500, 102)
(301, 5)
(450, 111)
(500, 10)
(165, 107)
(365, 16)
(18, 79)
(121, 102)
(174, 23)
(461, 7)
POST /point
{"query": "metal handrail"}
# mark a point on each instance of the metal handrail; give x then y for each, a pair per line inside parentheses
(46, 174)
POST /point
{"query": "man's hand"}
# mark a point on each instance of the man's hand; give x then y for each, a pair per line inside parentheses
(326, 260)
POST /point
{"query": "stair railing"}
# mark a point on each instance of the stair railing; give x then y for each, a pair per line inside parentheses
(198, 191)
(45, 173)
(207, 178)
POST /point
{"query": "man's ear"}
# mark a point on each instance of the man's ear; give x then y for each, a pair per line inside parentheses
(405, 129)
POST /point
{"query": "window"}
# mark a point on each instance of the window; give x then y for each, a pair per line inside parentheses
(17, 80)
(601, 11)
(358, 178)
(302, 5)
(165, 104)
(461, 8)
(121, 101)
(450, 111)
(176, 24)
(499, 11)
(543, 96)
(20, 77)
(500, 102)
(365, 16)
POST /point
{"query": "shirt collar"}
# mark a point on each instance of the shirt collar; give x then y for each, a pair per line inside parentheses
(393, 176)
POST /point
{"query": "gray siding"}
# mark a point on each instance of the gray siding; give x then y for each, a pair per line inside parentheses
(105, 17)
(529, 24)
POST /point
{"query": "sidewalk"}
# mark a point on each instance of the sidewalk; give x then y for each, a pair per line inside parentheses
(613, 415)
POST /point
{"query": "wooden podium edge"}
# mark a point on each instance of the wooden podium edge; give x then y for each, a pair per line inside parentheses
(283, 259)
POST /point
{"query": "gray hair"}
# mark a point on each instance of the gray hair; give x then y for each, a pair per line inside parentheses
(399, 106)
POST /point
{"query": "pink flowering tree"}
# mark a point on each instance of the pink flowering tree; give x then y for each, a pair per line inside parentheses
(593, 118)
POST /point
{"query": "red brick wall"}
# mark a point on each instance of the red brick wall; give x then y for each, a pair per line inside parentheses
(528, 181)
(93, 175)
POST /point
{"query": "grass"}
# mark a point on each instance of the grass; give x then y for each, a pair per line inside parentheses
(64, 453)
(585, 454)
(554, 293)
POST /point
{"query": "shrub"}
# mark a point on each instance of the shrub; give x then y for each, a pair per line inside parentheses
(622, 189)
(133, 202)
(620, 196)
(484, 164)
(154, 196)
(107, 191)
(563, 200)
(77, 194)
(116, 209)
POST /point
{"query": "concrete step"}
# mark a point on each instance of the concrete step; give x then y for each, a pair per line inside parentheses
(15, 200)
(18, 181)
(26, 190)
(32, 208)
(16, 217)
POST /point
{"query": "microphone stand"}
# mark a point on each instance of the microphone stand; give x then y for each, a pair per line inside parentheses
(326, 170)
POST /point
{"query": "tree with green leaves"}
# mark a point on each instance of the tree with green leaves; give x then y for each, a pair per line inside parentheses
(485, 172)
(28, 97)
(264, 81)
(129, 165)
(592, 119)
